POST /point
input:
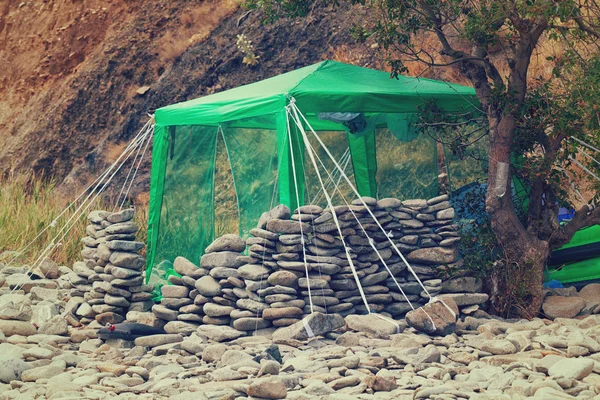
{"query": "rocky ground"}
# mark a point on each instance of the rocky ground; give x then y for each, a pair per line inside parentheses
(366, 358)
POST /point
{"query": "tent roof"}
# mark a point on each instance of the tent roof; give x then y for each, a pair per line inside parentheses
(327, 86)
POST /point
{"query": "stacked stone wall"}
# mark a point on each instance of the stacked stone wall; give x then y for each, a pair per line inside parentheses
(261, 282)
(109, 282)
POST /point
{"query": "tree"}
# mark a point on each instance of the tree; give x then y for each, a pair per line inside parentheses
(536, 124)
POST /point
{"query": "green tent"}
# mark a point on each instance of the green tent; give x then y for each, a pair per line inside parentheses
(252, 123)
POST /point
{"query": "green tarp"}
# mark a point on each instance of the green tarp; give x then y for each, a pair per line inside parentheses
(253, 122)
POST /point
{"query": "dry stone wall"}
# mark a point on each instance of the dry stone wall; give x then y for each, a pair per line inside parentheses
(261, 282)
(109, 282)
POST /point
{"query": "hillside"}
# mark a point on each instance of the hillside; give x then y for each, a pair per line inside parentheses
(68, 101)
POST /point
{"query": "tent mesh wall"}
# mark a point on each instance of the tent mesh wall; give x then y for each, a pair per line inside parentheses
(187, 217)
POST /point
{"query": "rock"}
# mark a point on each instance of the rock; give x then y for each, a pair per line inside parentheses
(279, 212)
(466, 284)
(444, 322)
(45, 372)
(312, 325)
(158, 340)
(433, 255)
(253, 272)
(250, 324)
(49, 269)
(591, 293)
(213, 352)
(283, 312)
(11, 368)
(184, 267)
(283, 278)
(562, 307)
(127, 260)
(181, 327)
(221, 259)
(121, 216)
(465, 299)
(21, 328)
(219, 333)
(174, 291)
(56, 325)
(380, 383)
(572, 368)
(165, 313)
(374, 324)
(208, 286)
(347, 381)
(267, 389)
(217, 310)
(287, 226)
(498, 347)
(228, 242)
(268, 367)
(15, 307)
(122, 228)
(389, 203)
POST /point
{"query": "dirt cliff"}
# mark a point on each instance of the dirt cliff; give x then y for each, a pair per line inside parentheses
(72, 69)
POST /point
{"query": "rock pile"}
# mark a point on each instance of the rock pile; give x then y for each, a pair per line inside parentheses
(109, 282)
(568, 303)
(30, 300)
(267, 286)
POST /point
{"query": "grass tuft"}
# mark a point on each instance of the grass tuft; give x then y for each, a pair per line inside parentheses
(28, 206)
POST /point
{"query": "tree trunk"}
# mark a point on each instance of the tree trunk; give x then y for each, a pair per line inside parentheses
(517, 284)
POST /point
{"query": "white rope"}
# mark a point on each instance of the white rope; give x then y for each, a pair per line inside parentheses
(371, 241)
(77, 214)
(299, 213)
(148, 140)
(331, 178)
(295, 108)
(296, 112)
(54, 222)
(587, 155)
(127, 179)
(585, 144)
(330, 204)
(583, 167)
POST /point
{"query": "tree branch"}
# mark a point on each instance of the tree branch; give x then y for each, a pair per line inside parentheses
(582, 219)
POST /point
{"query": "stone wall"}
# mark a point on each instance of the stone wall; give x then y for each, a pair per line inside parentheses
(109, 282)
(267, 286)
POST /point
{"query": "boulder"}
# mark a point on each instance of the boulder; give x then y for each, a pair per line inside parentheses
(228, 242)
(21, 328)
(219, 333)
(433, 255)
(312, 325)
(184, 267)
(267, 389)
(374, 324)
(279, 212)
(562, 306)
(463, 284)
(15, 307)
(11, 368)
(221, 259)
(572, 368)
(434, 318)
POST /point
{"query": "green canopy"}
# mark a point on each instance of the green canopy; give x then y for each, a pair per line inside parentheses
(323, 87)
(252, 123)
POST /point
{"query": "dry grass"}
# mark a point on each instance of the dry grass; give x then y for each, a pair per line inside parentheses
(27, 207)
(196, 24)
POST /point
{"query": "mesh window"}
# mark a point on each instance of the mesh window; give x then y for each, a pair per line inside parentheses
(253, 156)
(187, 216)
(406, 170)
